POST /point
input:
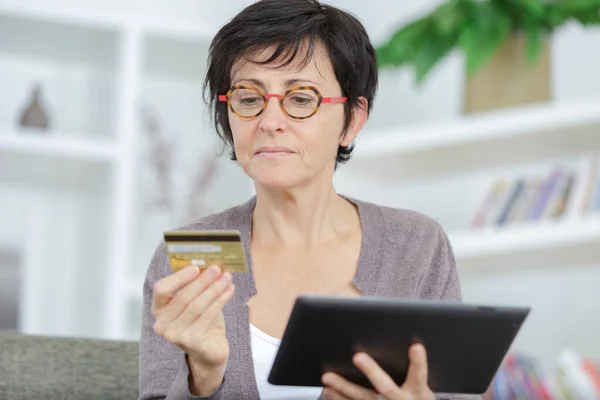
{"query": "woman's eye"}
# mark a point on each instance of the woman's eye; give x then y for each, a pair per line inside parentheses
(249, 101)
(302, 100)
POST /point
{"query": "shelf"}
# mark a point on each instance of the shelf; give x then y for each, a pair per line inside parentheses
(569, 242)
(29, 156)
(58, 36)
(64, 15)
(106, 20)
(35, 143)
(478, 141)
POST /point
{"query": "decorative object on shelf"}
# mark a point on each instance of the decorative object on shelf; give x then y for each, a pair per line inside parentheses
(160, 159)
(191, 183)
(505, 43)
(202, 180)
(34, 115)
(510, 79)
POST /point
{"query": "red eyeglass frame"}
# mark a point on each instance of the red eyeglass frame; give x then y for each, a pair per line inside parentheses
(267, 96)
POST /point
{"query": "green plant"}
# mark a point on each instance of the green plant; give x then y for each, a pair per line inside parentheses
(479, 28)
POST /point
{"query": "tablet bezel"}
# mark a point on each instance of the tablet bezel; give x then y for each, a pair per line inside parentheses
(324, 331)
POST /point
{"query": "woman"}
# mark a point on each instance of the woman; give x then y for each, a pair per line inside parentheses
(291, 84)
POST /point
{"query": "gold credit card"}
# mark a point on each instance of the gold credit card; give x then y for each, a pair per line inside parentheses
(206, 248)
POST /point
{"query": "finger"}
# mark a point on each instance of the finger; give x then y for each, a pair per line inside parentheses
(201, 303)
(182, 299)
(380, 380)
(332, 394)
(347, 388)
(417, 368)
(212, 312)
(163, 290)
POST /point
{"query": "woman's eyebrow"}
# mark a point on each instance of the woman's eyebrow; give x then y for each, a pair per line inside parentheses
(257, 82)
(260, 83)
(290, 82)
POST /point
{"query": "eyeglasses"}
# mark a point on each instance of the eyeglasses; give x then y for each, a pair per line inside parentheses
(300, 102)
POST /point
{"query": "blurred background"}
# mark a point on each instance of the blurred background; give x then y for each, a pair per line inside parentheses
(105, 143)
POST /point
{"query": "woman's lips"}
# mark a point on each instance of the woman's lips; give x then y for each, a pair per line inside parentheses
(274, 152)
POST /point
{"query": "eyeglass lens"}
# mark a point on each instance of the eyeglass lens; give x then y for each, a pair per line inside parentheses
(298, 103)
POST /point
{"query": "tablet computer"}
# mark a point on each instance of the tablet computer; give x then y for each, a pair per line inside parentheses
(465, 343)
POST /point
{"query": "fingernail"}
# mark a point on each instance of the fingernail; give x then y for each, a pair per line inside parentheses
(193, 270)
(359, 358)
(214, 270)
(418, 348)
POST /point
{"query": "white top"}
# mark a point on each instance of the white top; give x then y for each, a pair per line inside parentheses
(264, 348)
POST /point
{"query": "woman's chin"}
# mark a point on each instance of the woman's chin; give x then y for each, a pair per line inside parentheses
(275, 184)
(276, 180)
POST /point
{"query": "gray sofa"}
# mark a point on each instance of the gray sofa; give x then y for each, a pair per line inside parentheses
(44, 367)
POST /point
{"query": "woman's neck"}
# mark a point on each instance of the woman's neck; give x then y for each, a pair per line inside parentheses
(302, 217)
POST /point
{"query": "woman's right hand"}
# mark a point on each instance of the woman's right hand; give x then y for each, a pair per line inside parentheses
(188, 308)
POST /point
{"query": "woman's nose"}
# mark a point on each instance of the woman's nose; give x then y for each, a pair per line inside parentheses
(273, 119)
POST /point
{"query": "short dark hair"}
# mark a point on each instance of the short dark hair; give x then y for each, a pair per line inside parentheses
(296, 27)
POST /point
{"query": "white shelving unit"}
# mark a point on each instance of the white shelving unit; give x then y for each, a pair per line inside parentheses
(85, 184)
(465, 156)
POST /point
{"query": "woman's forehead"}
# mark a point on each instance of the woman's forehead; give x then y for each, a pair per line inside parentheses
(315, 66)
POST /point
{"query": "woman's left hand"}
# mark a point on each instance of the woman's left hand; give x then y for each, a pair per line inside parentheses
(415, 386)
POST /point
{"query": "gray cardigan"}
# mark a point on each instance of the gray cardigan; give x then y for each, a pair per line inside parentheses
(403, 254)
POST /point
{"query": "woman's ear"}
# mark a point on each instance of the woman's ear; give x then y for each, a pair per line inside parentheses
(359, 118)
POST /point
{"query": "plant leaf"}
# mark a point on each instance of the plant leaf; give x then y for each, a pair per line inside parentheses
(479, 27)
(400, 48)
(429, 54)
(535, 40)
(481, 38)
(449, 17)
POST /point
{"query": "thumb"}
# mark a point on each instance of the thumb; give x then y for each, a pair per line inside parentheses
(417, 377)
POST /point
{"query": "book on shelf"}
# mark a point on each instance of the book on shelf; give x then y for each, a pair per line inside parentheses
(564, 190)
(525, 377)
